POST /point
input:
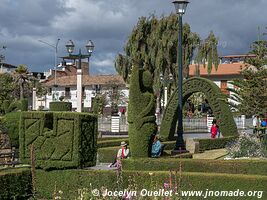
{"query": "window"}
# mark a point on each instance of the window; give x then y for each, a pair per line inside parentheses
(83, 92)
(67, 92)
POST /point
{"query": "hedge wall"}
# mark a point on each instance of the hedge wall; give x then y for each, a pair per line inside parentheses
(111, 143)
(217, 101)
(258, 167)
(15, 183)
(11, 122)
(62, 140)
(216, 143)
(70, 181)
(141, 112)
(60, 106)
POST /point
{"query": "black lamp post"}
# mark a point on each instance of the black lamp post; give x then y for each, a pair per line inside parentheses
(70, 48)
(180, 7)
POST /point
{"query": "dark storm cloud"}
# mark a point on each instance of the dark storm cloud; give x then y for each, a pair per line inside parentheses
(108, 23)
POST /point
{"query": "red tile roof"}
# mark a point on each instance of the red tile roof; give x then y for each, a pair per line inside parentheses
(223, 69)
(87, 80)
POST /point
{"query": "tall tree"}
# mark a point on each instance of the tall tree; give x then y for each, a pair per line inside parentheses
(6, 87)
(20, 76)
(153, 41)
(250, 93)
(208, 53)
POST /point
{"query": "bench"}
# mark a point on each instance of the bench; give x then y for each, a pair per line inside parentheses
(9, 157)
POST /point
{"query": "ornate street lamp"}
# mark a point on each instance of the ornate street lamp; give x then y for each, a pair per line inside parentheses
(180, 7)
(70, 48)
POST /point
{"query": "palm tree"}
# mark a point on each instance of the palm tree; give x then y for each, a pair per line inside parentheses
(21, 77)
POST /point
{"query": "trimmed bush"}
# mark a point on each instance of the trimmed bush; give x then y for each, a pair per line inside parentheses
(108, 154)
(70, 181)
(15, 183)
(10, 106)
(111, 143)
(141, 115)
(62, 140)
(217, 101)
(11, 122)
(23, 105)
(257, 167)
(216, 143)
(60, 106)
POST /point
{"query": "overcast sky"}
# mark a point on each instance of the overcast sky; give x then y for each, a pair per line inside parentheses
(108, 23)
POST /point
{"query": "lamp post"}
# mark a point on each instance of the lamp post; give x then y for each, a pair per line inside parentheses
(70, 48)
(166, 81)
(180, 7)
(56, 50)
(34, 79)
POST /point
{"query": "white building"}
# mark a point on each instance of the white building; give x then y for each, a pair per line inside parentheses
(7, 68)
(65, 85)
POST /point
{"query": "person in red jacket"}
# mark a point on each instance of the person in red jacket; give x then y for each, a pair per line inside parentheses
(214, 129)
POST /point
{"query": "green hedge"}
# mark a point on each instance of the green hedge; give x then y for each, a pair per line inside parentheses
(141, 112)
(11, 122)
(216, 143)
(70, 181)
(60, 106)
(107, 154)
(62, 139)
(111, 143)
(15, 183)
(217, 101)
(258, 167)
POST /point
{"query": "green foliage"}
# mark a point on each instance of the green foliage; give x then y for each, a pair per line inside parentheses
(61, 139)
(256, 167)
(154, 42)
(112, 142)
(217, 101)
(60, 106)
(251, 91)
(215, 143)
(207, 52)
(107, 154)
(6, 88)
(21, 79)
(15, 184)
(11, 122)
(15, 105)
(141, 113)
(69, 181)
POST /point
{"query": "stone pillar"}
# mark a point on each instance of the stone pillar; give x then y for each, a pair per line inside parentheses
(34, 99)
(243, 121)
(79, 90)
(165, 97)
(209, 122)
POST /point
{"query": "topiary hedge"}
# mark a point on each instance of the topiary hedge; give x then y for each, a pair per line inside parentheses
(257, 167)
(62, 140)
(15, 183)
(216, 143)
(60, 106)
(141, 112)
(11, 122)
(72, 181)
(217, 101)
(111, 143)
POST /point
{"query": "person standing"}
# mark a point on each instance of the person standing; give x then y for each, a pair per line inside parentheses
(256, 123)
(214, 129)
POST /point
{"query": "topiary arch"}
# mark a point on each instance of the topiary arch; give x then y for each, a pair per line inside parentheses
(217, 101)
